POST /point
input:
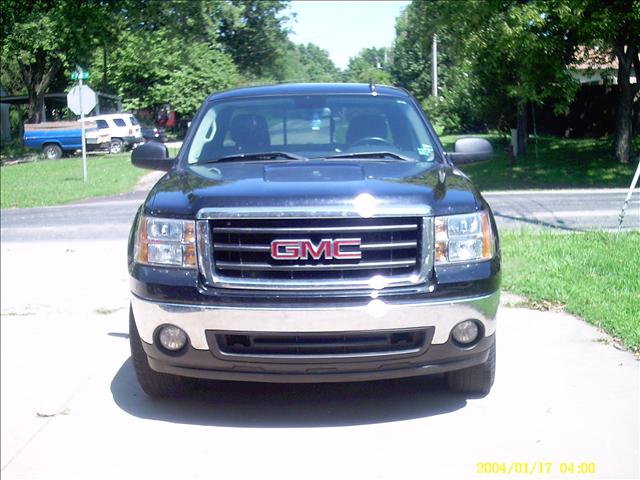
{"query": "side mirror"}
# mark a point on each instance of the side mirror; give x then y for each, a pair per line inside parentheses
(470, 150)
(152, 155)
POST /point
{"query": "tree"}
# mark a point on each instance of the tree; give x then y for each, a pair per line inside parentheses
(316, 64)
(371, 64)
(252, 32)
(204, 70)
(614, 27)
(44, 37)
(496, 57)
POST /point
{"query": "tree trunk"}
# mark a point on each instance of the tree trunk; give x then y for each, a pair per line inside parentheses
(627, 93)
(623, 125)
(522, 127)
(36, 104)
(37, 76)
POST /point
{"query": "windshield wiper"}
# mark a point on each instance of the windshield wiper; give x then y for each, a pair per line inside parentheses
(381, 154)
(257, 156)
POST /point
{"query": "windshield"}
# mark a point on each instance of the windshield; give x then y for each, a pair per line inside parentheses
(311, 126)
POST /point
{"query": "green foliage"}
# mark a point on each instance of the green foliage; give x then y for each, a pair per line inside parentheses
(369, 65)
(491, 55)
(167, 72)
(544, 267)
(314, 64)
(151, 52)
(41, 38)
(204, 70)
(252, 32)
(456, 109)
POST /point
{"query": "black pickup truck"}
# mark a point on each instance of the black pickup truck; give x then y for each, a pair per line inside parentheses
(313, 233)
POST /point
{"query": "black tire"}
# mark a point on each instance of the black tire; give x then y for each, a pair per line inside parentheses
(52, 151)
(117, 146)
(474, 380)
(154, 384)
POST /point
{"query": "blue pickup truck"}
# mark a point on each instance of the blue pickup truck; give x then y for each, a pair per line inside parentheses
(57, 138)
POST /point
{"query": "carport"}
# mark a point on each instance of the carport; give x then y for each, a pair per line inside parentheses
(53, 106)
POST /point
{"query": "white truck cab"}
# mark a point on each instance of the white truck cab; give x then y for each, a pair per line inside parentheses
(123, 128)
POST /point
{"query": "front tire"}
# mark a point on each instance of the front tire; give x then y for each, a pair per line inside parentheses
(154, 384)
(474, 380)
(117, 146)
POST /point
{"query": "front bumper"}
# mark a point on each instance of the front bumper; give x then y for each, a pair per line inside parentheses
(201, 358)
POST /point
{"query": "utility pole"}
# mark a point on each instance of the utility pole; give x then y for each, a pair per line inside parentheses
(434, 66)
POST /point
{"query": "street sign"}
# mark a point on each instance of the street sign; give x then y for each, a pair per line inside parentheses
(88, 100)
(84, 75)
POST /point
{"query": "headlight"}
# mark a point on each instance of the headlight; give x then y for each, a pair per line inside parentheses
(463, 238)
(165, 241)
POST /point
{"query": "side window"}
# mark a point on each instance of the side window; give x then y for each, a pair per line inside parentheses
(119, 122)
(102, 124)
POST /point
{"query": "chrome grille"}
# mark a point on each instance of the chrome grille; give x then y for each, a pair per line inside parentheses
(236, 252)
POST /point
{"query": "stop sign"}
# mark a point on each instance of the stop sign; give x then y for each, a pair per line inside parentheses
(88, 99)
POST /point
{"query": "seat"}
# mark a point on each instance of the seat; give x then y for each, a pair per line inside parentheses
(366, 126)
(250, 133)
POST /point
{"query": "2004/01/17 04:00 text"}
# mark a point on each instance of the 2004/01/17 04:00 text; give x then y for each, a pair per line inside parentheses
(532, 468)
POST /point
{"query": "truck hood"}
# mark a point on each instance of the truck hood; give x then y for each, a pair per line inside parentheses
(182, 193)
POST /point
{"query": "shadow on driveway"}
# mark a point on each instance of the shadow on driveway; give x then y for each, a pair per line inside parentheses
(265, 405)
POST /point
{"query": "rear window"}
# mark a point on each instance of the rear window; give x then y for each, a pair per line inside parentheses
(133, 120)
(119, 122)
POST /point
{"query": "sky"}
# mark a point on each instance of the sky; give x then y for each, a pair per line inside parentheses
(343, 28)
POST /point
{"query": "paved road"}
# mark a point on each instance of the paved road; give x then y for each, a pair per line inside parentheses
(71, 408)
(110, 219)
(565, 209)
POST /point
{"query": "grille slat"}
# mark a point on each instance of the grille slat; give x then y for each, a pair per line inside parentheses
(390, 247)
(317, 266)
(371, 228)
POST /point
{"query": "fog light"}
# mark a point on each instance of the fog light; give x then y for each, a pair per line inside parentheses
(172, 338)
(465, 332)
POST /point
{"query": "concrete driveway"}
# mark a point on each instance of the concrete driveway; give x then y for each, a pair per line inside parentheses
(71, 408)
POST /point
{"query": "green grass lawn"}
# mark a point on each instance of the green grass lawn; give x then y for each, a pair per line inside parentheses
(561, 163)
(54, 182)
(593, 275)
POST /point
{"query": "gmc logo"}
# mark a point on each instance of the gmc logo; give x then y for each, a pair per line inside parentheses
(327, 248)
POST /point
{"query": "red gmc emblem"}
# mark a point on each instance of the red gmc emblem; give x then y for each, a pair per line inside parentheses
(305, 248)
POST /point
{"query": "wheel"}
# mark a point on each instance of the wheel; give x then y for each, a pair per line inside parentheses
(117, 146)
(474, 380)
(52, 151)
(154, 384)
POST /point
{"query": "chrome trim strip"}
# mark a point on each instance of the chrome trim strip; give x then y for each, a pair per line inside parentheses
(317, 267)
(234, 247)
(383, 246)
(385, 353)
(348, 211)
(354, 228)
(376, 315)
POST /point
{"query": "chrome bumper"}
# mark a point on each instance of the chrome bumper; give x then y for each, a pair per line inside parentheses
(376, 315)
